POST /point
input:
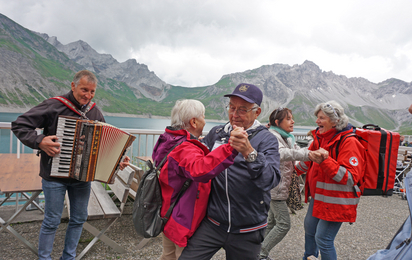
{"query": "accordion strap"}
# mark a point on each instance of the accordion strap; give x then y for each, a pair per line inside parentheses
(73, 108)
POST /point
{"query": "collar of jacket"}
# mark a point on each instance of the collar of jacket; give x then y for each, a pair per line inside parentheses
(179, 131)
(189, 137)
(336, 137)
(71, 98)
(228, 127)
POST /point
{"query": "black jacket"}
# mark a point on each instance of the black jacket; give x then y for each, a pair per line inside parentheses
(45, 115)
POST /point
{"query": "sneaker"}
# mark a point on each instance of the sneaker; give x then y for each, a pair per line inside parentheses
(312, 257)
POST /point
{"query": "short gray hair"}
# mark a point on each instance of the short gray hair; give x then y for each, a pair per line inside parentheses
(335, 112)
(184, 110)
(91, 78)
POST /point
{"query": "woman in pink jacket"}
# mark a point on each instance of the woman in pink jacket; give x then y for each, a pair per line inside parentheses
(189, 160)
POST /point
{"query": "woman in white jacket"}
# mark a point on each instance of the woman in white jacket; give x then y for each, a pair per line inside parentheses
(281, 125)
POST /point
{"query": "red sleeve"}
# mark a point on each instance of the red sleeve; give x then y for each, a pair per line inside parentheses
(200, 167)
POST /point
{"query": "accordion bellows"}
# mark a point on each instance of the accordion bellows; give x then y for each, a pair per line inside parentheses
(89, 150)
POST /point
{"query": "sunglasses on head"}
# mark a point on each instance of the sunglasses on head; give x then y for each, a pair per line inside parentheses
(279, 109)
(330, 106)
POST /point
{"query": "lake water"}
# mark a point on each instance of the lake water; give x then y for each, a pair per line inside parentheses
(121, 122)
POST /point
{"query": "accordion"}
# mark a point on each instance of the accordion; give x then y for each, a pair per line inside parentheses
(89, 150)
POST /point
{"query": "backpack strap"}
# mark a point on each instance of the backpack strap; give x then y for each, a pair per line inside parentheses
(182, 190)
(164, 158)
(72, 107)
(254, 133)
(342, 139)
(186, 185)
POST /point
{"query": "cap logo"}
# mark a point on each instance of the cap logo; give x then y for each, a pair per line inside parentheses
(243, 88)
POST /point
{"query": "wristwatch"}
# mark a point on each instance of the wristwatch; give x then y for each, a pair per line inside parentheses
(252, 156)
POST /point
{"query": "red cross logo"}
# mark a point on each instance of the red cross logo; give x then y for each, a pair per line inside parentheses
(353, 161)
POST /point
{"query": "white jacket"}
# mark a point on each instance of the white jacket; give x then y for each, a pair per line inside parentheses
(289, 153)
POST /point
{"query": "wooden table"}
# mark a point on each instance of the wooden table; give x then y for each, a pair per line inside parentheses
(19, 175)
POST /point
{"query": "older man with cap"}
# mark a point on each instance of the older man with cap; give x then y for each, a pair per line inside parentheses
(239, 200)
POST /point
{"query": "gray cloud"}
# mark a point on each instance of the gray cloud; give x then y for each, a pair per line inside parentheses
(194, 43)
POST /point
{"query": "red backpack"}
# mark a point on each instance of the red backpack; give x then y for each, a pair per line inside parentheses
(381, 157)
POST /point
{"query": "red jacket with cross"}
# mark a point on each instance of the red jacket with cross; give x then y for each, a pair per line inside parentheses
(334, 183)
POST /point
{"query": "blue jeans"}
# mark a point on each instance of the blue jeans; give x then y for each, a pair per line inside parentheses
(320, 235)
(54, 192)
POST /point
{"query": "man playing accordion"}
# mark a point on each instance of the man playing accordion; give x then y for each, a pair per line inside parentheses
(76, 103)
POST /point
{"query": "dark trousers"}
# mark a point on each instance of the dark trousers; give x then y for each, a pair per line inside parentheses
(209, 238)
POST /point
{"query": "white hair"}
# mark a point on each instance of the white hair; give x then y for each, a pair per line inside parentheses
(91, 78)
(184, 110)
(335, 112)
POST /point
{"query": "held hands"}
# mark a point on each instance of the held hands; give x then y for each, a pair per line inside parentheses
(239, 141)
(49, 145)
(125, 163)
(319, 155)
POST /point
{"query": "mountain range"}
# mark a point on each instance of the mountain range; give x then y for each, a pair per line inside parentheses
(34, 66)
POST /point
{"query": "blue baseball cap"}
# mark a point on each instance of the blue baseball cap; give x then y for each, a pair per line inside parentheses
(248, 92)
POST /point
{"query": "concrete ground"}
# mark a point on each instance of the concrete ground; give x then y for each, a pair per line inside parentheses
(378, 220)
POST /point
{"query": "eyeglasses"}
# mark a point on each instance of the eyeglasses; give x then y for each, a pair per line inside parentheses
(240, 111)
(329, 106)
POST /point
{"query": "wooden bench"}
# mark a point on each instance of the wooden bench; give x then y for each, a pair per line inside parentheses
(19, 175)
(102, 206)
(405, 154)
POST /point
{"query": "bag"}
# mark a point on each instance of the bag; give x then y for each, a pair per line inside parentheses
(148, 203)
(381, 157)
(303, 143)
(146, 207)
(400, 247)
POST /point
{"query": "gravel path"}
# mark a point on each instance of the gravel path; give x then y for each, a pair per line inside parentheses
(378, 220)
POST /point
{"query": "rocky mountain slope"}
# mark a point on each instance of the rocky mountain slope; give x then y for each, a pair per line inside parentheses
(35, 66)
(135, 75)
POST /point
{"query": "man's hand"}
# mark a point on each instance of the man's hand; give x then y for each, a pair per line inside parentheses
(49, 146)
(125, 163)
(239, 141)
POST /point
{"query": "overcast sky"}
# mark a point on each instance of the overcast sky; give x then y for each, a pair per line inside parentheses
(194, 43)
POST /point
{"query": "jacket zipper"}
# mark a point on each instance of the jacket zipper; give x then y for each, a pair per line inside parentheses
(228, 202)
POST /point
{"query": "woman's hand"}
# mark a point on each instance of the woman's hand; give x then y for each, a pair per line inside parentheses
(319, 155)
(239, 141)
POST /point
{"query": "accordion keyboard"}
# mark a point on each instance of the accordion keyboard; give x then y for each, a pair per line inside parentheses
(65, 133)
(89, 150)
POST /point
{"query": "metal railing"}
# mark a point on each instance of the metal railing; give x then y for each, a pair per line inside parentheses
(141, 147)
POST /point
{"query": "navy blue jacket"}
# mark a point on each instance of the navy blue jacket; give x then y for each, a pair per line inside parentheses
(240, 195)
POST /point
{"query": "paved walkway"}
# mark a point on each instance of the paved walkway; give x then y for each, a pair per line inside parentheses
(378, 220)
